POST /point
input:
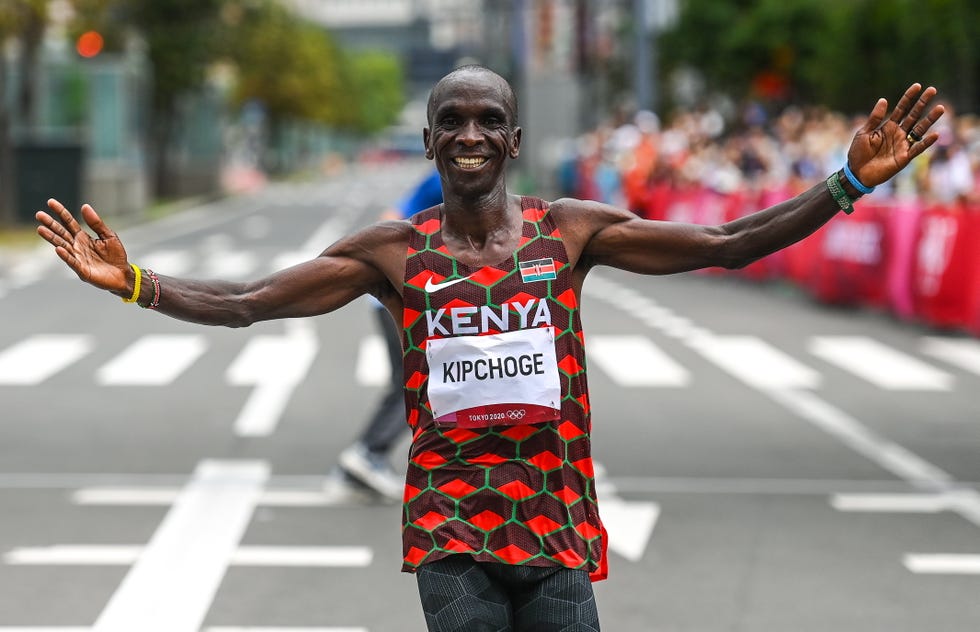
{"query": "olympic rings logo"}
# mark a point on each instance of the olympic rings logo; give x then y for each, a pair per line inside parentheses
(516, 415)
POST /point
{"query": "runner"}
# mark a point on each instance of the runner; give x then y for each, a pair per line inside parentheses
(500, 520)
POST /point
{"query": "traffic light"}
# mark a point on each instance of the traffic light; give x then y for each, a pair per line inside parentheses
(89, 44)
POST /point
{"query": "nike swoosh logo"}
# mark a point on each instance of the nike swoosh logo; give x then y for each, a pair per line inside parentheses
(434, 287)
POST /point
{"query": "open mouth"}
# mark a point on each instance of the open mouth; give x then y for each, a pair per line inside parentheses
(469, 163)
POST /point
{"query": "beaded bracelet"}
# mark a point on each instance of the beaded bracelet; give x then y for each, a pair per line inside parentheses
(839, 194)
(136, 284)
(857, 184)
(155, 302)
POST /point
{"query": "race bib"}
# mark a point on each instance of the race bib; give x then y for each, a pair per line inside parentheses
(498, 379)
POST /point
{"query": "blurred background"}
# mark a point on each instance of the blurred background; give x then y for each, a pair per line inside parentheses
(635, 102)
(790, 446)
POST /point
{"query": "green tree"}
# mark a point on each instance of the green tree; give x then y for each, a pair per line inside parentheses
(378, 89)
(842, 53)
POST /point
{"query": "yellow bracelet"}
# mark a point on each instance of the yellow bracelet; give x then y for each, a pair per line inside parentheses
(136, 285)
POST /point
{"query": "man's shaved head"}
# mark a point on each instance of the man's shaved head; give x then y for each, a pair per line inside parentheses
(477, 73)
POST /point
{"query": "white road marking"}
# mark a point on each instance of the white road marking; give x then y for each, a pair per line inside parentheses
(229, 264)
(329, 232)
(879, 364)
(34, 360)
(124, 555)
(755, 362)
(635, 361)
(960, 352)
(899, 503)
(373, 367)
(226, 629)
(851, 432)
(628, 524)
(169, 262)
(153, 360)
(943, 563)
(174, 579)
(275, 366)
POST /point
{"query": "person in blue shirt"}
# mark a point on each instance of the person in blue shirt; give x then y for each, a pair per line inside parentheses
(367, 459)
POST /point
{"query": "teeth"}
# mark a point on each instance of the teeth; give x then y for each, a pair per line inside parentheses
(470, 162)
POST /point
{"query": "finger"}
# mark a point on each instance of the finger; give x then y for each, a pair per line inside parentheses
(876, 117)
(65, 216)
(51, 225)
(920, 105)
(95, 222)
(924, 144)
(905, 104)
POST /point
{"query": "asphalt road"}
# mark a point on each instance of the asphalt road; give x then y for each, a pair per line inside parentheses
(769, 464)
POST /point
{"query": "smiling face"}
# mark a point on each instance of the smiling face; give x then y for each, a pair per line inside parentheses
(472, 130)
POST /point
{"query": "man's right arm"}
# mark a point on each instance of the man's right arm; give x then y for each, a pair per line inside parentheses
(353, 266)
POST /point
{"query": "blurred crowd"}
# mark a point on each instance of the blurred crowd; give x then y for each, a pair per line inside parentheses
(910, 247)
(637, 161)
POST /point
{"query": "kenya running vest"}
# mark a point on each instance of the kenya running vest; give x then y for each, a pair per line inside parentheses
(500, 466)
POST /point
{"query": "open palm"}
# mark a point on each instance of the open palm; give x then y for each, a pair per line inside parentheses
(99, 260)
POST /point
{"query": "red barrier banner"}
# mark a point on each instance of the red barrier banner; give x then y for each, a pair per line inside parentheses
(850, 265)
(945, 266)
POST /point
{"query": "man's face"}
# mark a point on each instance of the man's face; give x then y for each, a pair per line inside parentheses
(472, 134)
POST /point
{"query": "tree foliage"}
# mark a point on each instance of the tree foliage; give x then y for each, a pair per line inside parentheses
(298, 72)
(843, 53)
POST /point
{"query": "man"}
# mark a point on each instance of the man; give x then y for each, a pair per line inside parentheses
(500, 520)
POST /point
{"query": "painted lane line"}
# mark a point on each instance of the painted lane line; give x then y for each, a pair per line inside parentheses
(124, 555)
(943, 563)
(373, 367)
(879, 364)
(851, 432)
(886, 454)
(146, 496)
(961, 352)
(154, 360)
(169, 262)
(277, 629)
(275, 366)
(635, 361)
(304, 556)
(229, 264)
(892, 503)
(755, 362)
(628, 524)
(173, 581)
(328, 232)
(34, 360)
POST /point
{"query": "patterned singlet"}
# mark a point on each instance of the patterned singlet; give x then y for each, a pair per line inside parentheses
(500, 466)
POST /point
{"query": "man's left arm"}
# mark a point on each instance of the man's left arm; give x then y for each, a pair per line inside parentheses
(879, 150)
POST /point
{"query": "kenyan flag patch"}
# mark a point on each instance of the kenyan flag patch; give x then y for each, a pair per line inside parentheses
(538, 270)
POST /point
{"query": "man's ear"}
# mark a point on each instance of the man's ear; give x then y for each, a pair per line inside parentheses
(515, 143)
(425, 141)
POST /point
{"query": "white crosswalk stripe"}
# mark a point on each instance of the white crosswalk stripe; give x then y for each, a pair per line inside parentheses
(153, 360)
(756, 362)
(36, 359)
(960, 352)
(633, 361)
(630, 361)
(879, 364)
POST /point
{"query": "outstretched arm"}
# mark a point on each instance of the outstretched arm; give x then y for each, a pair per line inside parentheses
(342, 273)
(879, 150)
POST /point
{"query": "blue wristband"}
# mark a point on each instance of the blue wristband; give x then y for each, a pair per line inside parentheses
(855, 182)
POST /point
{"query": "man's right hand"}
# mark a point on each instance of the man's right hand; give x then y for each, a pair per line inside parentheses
(100, 261)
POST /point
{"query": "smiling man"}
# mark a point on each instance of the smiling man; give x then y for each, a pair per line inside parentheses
(501, 523)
